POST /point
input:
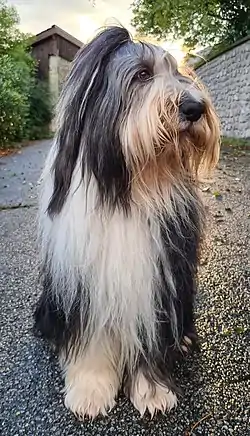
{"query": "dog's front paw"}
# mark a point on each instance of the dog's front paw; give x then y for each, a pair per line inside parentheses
(91, 394)
(151, 396)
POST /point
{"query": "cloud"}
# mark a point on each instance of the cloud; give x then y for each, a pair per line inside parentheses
(78, 17)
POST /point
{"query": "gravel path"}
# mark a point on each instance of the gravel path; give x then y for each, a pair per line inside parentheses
(215, 382)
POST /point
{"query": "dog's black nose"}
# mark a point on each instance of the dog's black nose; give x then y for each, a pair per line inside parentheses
(191, 109)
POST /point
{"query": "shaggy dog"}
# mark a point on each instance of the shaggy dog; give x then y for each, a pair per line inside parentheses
(120, 223)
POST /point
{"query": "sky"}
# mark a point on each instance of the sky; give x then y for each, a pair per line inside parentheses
(81, 18)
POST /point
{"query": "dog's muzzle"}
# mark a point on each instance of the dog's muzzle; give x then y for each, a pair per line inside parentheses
(190, 109)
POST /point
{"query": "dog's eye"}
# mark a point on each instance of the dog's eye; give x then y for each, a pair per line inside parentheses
(144, 75)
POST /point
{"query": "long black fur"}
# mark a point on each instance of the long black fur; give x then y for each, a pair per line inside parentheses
(102, 154)
(50, 320)
(183, 253)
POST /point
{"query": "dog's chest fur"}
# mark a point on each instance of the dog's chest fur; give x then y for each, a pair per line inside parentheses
(132, 273)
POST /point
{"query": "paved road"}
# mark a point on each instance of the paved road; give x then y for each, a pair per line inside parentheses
(215, 383)
(19, 174)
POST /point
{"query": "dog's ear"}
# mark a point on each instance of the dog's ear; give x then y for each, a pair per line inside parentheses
(88, 110)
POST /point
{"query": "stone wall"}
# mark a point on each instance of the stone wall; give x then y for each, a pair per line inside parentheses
(58, 69)
(63, 69)
(227, 78)
(53, 78)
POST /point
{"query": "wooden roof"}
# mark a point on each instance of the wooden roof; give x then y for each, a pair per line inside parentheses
(55, 30)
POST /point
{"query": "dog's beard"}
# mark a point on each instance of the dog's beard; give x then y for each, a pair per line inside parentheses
(163, 151)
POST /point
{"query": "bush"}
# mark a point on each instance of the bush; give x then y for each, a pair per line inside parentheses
(14, 99)
(25, 104)
(25, 109)
(40, 111)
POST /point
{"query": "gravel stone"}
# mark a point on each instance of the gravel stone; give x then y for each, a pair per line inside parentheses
(215, 382)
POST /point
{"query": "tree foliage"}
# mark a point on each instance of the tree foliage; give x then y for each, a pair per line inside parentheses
(40, 110)
(24, 102)
(196, 22)
(11, 38)
(14, 107)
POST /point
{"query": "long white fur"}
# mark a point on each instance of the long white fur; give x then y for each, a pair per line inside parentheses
(114, 254)
(92, 379)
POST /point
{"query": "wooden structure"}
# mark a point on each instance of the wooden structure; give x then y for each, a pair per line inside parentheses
(54, 49)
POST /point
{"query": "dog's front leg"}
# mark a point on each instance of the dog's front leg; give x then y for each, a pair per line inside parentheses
(92, 379)
(151, 390)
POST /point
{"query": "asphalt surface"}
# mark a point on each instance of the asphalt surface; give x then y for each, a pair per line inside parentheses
(215, 382)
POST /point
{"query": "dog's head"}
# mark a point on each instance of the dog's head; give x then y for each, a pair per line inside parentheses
(134, 118)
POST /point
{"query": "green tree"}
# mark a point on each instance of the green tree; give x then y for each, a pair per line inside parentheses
(196, 22)
(11, 38)
(40, 111)
(25, 109)
(16, 76)
(14, 100)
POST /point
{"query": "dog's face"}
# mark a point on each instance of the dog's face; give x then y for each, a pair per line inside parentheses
(136, 120)
(166, 116)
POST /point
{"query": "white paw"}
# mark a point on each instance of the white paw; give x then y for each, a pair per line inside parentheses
(91, 394)
(151, 396)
